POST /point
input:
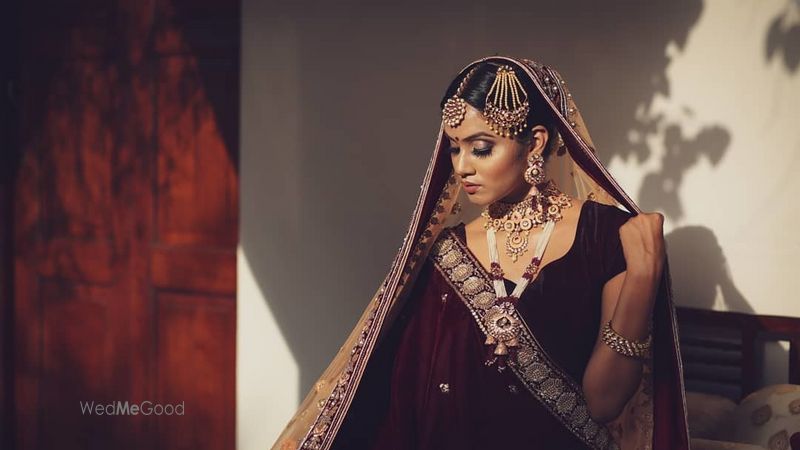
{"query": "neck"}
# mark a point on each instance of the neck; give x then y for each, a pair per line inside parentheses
(519, 194)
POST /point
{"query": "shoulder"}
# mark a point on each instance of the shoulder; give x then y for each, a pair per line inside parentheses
(446, 238)
(610, 214)
(605, 220)
(457, 229)
(607, 247)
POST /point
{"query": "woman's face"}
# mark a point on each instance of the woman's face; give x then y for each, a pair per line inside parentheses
(490, 167)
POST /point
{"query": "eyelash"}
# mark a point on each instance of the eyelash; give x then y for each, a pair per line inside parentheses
(478, 152)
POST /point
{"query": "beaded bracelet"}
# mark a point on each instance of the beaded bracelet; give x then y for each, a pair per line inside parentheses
(626, 347)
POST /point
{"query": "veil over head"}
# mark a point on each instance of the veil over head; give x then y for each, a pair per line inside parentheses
(654, 418)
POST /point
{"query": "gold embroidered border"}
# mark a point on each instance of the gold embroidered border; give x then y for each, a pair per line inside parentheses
(548, 383)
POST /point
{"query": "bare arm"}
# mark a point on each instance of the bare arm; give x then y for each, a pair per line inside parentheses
(627, 300)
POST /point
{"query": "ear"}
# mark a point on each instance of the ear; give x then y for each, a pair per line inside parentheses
(539, 139)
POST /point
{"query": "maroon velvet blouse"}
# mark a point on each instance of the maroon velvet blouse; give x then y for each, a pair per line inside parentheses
(426, 386)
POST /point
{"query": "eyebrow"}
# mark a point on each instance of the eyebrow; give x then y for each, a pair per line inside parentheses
(471, 137)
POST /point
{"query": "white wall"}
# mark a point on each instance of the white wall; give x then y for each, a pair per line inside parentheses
(739, 200)
(734, 95)
(267, 369)
(693, 105)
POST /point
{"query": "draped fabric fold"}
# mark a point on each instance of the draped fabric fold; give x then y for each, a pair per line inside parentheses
(655, 416)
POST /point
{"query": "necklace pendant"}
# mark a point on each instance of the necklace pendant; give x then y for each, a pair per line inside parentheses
(501, 349)
(502, 327)
(516, 244)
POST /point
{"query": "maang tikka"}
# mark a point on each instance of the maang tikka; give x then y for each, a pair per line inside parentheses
(506, 106)
(455, 107)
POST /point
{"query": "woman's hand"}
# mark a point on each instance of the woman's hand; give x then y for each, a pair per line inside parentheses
(642, 238)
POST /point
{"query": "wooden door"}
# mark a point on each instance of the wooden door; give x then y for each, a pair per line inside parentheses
(8, 163)
(126, 224)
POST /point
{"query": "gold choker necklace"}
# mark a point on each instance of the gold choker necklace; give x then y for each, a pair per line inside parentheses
(518, 219)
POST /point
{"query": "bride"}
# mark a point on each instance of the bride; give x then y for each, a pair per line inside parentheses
(524, 309)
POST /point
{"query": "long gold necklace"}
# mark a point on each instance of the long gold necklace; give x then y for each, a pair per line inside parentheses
(518, 219)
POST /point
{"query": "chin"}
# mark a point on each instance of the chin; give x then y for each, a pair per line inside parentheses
(479, 200)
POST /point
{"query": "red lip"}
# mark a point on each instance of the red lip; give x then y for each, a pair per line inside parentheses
(471, 188)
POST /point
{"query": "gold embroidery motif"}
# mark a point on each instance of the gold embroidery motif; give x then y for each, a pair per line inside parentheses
(474, 285)
(565, 402)
(442, 246)
(484, 300)
(525, 356)
(462, 271)
(551, 386)
(451, 259)
(537, 372)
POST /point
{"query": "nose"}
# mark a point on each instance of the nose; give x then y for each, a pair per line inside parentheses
(462, 165)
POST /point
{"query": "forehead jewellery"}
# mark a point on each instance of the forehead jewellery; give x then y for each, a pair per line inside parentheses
(506, 106)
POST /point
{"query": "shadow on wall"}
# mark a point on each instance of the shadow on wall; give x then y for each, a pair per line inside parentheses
(660, 188)
(347, 102)
(783, 37)
(692, 247)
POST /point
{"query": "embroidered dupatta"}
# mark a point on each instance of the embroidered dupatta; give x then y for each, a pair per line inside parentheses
(654, 417)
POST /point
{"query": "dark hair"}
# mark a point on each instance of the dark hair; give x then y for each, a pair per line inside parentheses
(478, 85)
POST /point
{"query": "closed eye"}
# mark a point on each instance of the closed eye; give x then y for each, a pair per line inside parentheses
(480, 152)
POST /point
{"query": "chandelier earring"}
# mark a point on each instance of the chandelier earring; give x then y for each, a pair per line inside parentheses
(534, 174)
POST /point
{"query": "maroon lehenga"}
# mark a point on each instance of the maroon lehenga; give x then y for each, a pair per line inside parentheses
(428, 387)
(411, 374)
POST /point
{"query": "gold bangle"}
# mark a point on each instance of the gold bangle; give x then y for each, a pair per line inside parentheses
(626, 347)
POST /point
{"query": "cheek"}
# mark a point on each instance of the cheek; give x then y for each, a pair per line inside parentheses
(501, 172)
